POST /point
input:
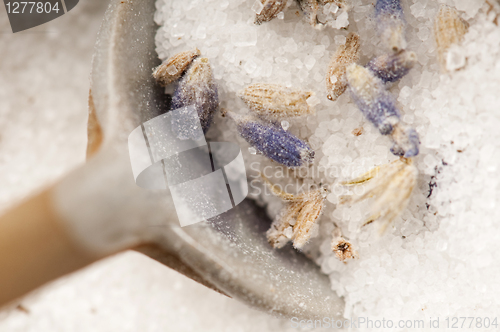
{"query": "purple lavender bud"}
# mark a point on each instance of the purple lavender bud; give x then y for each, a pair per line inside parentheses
(389, 8)
(391, 23)
(272, 141)
(392, 67)
(406, 141)
(372, 98)
(199, 89)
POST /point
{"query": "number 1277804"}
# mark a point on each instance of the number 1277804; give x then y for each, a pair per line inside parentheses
(24, 7)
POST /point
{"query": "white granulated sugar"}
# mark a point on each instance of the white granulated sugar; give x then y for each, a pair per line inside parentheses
(438, 258)
(257, 7)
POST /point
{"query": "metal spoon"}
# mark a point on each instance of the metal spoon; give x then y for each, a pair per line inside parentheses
(98, 210)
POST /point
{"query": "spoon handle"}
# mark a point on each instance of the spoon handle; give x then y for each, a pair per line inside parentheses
(35, 248)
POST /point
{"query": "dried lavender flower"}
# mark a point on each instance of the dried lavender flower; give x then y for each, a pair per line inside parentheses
(389, 185)
(406, 141)
(345, 55)
(310, 9)
(297, 219)
(199, 89)
(338, 3)
(391, 24)
(274, 101)
(342, 248)
(372, 98)
(493, 10)
(270, 9)
(314, 9)
(392, 67)
(173, 68)
(273, 141)
(449, 29)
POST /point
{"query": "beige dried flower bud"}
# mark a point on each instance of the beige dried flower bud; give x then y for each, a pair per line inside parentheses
(313, 9)
(339, 3)
(345, 55)
(275, 101)
(389, 185)
(297, 219)
(342, 248)
(270, 9)
(173, 68)
(449, 29)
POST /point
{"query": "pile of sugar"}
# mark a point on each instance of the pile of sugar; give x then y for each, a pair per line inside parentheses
(438, 258)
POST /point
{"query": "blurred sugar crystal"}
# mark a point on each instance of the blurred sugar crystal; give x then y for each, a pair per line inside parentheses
(257, 6)
(455, 59)
(243, 37)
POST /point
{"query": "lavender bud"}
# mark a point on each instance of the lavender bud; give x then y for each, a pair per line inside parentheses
(391, 24)
(406, 141)
(343, 57)
(310, 10)
(271, 9)
(297, 219)
(273, 142)
(173, 68)
(274, 101)
(372, 99)
(392, 67)
(449, 29)
(199, 89)
(389, 186)
(342, 248)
